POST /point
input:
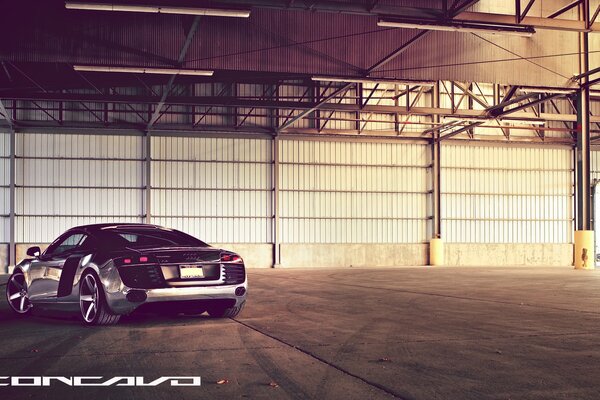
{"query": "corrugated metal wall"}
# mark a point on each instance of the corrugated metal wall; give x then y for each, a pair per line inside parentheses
(349, 192)
(595, 166)
(507, 194)
(4, 187)
(217, 189)
(68, 180)
(221, 189)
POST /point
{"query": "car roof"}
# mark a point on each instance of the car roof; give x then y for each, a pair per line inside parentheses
(116, 225)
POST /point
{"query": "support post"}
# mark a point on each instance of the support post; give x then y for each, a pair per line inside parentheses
(275, 200)
(584, 251)
(148, 172)
(12, 250)
(436, 245)
(583, 160)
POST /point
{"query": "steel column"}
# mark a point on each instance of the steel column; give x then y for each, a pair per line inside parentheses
(583, 161)
(583, 144)
(275, 199)
(147, 143)
(12, 177)
(12, 251)
(436, 168)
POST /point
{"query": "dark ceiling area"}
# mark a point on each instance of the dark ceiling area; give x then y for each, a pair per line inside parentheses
(280, 40)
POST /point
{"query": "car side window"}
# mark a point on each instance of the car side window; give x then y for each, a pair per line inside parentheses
(67, 244)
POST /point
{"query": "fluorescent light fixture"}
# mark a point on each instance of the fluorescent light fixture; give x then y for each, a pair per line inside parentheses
(523, 121)
(460, 26)
(210, 12)
(458, 119)
(531, 89)
(138, 70)
(370, 80)
(510, 121)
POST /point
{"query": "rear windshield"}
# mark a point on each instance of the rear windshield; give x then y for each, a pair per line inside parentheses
(138, 238)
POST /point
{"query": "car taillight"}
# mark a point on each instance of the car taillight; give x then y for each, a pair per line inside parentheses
(234, 258)
(135, 260)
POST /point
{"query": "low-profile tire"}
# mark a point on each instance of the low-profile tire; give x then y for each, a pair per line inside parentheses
(220, 312)
(17, 295)
(92, 302)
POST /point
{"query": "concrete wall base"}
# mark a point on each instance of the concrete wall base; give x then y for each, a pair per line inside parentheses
(3, 258)
(353, 255)
(509, 254)
(381, 255)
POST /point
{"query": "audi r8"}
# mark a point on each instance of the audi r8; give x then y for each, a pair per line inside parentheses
(104, 271)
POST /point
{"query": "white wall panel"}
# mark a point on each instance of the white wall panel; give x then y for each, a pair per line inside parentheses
(506, 194)
(217, 189)
(595, 166)
(351, 192)
(68, 180)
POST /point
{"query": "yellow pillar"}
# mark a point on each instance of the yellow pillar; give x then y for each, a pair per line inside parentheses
(436, 252)
(584, 257)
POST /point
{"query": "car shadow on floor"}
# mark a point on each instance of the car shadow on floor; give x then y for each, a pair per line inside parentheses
(137, 318)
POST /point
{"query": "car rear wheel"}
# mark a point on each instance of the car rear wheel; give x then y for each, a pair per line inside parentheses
(92, 303)
(221, 312)
(17, 294)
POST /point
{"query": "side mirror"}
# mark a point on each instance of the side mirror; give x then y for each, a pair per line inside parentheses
(34, 251)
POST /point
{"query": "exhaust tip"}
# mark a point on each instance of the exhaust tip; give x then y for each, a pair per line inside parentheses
(136, 296)
(240, 291)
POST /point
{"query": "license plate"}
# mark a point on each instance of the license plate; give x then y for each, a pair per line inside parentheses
(190, 272)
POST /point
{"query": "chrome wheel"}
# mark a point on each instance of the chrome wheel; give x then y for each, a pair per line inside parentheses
(88, 298)
(16, 293)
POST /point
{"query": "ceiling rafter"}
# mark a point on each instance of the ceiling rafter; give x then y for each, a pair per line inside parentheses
(181, 58)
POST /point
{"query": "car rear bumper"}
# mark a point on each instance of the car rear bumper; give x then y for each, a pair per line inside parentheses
(119, 302)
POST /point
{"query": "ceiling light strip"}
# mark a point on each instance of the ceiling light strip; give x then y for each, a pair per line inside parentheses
(211, 12)
(143, 70)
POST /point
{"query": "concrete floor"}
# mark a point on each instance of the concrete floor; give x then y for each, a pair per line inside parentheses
(410, 333)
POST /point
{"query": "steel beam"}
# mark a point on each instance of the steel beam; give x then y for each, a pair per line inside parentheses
(593, 18)
(188, 40)
(416, 13)
(317, 106)
(586, 73)
(564, 9)
(500, 112)
(228, 101)
(460, 6)
(461, 130)
(405, 46)
(522, 14)
(371, 69)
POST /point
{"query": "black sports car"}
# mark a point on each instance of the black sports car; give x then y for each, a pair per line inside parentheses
(106, 270)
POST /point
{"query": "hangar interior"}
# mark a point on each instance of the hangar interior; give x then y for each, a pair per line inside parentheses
(307, 134)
